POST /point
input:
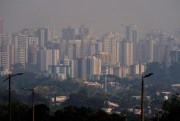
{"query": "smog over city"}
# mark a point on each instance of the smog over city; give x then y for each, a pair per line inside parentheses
(89, 60)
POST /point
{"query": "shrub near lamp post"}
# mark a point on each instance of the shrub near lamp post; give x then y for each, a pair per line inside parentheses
(9, 102)
(142, 95)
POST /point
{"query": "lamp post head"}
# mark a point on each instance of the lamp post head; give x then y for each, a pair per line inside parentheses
(150, 74)
(19, 73)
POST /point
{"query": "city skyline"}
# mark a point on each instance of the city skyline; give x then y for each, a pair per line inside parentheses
(119, 49)
(103, 16)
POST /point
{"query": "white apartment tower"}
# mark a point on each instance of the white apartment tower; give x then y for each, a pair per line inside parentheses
(21, 48)
(111, 46)
(87, 66)
(126, 53)
(48, 57)
(91, 66)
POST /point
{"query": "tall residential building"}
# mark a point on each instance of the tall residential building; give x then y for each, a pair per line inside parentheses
(86, 67)
(149, 50)
(5, 40)
(43, 35)
(88, 47)
(95, 66)
(141, 52)
(175, 56)
(126, 53)
(69, 33)
(120, 71)
(105, 61)
(70, 66)
(1, 25)
(48, 57)
(157, 36)
(137, 69)
(33, 49)
(131, 34)
(11, 53)
(78, 68)
(159, 54)
(111, 46)
(8, 46)
(22, 49)
(83, 32)
(90, 66)
(4, 60)
(64, 70)
(72, 49)
(33, 54)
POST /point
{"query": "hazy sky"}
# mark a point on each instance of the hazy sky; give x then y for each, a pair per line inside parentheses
(101, 15)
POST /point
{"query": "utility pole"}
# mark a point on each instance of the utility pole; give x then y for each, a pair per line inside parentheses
(33, 102)
(142, 95)
(9, 101)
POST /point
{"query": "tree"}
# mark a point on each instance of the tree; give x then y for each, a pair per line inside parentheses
(171, 109)
(173, 71)
(42, 113)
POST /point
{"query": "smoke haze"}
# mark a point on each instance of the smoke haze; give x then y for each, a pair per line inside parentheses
(101, 15)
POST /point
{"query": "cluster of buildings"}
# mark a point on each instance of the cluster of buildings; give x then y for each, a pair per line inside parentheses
(77, 54)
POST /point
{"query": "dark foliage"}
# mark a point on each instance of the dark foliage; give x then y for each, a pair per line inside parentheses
(21, 112)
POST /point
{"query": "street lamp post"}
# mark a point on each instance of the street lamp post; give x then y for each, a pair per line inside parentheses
(142, 95)
(9, 101)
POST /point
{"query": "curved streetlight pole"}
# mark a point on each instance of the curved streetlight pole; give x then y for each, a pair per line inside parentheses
(142, 95)
(9, 101)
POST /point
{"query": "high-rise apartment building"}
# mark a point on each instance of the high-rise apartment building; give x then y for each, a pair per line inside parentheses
(175, 56)
(4, 60)
(33, 54)
(141, 52)
(48, 57)
(69, 64)
(69, 33)
(74, 49)
(131, 34)
(111, 46)
(43, 35)
(86, 67)
(90, 66)
(120, 70)
(83, 32)
(126, 53)
(95, 66)
(22, 50)
(5, 40)
(149, 50)
(105, 61)
(33, 49)
(11, 54)
(88, 47)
